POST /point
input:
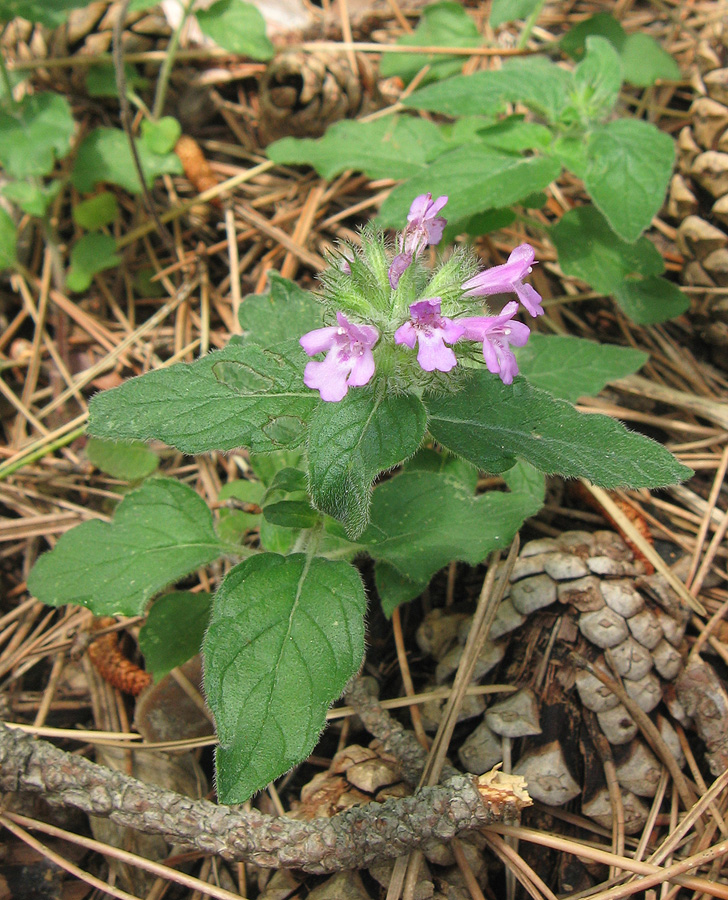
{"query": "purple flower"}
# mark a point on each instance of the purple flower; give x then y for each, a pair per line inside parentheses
(349, 361)
(430, 330)
(424, 227)
(508, 278)
(497, 333)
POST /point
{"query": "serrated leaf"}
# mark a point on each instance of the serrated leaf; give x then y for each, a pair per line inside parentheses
(511, 11)
(570, 367)
(597, 79)
(90, 254)
(630, 162)
(391, 147)
(51, 13)
(442, 25)
(125, 461)
(421, 521)
(105, 156)
(160, 532)
(242, 396)
(96, 212)
(588, 249)
(651, 300)
(514, 134)
(475, 178)
(8, 241)
(645, 62)
(34, 133)
(535, 81)
(523, 422)
(459, 470)
(284, 313)
(286, 635)
(266, 466)
(237, 26)
(351, 442)
(291, 514)
(160, 136)
(523, 478)
(174, 631)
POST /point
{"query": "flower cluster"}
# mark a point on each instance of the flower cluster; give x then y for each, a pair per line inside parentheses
(349, 347)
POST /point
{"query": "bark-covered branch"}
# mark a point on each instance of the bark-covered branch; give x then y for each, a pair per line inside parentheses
(351, 839)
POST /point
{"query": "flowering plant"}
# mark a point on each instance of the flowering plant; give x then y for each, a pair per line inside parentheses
(373, 449)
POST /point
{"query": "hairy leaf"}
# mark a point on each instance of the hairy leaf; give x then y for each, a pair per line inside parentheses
(523, 422)
(351, 442)
(284, 313)
(174, 630)
(570, 367)
(651, 300)
(126, 461)
(286, 635)
(160, 532)
(34, 133)
(242, 396)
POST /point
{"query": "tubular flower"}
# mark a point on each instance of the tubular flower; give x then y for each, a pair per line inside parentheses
(424, 227)
(349, 361)
(430, 330)
(507, 279)
(497, 333)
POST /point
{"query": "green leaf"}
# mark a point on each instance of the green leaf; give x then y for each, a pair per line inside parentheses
(511, 11)
(237, 26)
(391, 147)
(479, 224)
(630, 162)
(351, 442)
(291, 514)
(96, 212)
(161, 136)
(651, 300)
(571, 153)
(101, 80)
(570, 367)
(242, 396)
(514, 134)
(160, 533)
(588, 249)
(645, 62)
(475, 178)
(597, 79)
(125, 461)
(266, 466)
(442, 25)
(523, 422)
(34, 133)
(523, 478)
(421, 521)
(459, 470)
(573, 43)
(90, 254)
(535, 81)
(50, 13)
(105, 156)
(234, 523)
(174, 631)
(8, 241)
(284, 313)
(286, 635)
(32, 198)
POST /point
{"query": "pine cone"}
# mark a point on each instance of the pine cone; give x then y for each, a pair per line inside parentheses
(629, 625)
(302, 94)
(698, 197)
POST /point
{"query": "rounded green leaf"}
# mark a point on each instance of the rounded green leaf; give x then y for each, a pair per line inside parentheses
(160, 533)
(286, 636)
(161, 136)
(126, 461)
(96, 212)
(34, 133)
(90, 254)
(237, 26)
(174, 631)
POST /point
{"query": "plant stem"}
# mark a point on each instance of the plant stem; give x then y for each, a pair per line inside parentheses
(166, 70)
(528, 27)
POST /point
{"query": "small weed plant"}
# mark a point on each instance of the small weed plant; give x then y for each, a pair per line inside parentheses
(369, 409)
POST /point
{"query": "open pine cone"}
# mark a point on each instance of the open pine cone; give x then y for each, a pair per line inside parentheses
(698, 197)
(582, 597)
